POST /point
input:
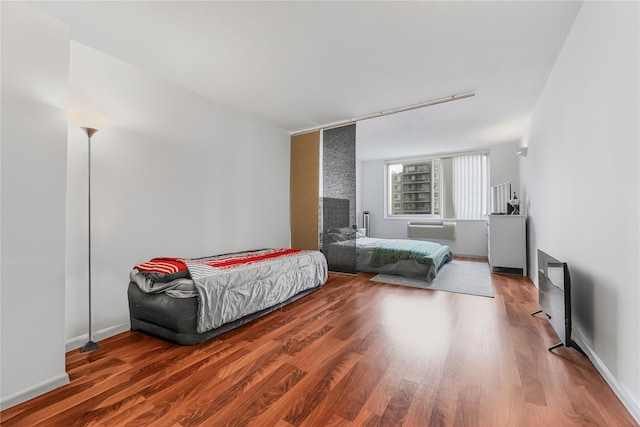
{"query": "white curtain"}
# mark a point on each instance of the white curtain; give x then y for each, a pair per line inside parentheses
(464, 186)
(446, 188)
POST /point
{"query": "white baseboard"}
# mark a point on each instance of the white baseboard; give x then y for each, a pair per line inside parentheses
(33, 391)
(632, 405)
(62, 379)
(77, 342)
(534, 278)
(479, 257)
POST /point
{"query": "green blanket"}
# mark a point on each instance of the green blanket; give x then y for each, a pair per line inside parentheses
(422, 251)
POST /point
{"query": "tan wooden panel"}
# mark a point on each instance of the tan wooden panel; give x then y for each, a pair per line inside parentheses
(304, 190)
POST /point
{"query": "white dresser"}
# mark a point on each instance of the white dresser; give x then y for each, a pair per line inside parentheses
(508, 242)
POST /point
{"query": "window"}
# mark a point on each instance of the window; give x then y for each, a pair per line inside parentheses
(415, 189)
(452, 186)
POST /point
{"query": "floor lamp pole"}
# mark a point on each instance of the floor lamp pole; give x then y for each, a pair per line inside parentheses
(90, 345)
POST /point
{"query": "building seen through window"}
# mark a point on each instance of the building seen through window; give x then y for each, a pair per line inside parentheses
(415, 187)
(452, 186)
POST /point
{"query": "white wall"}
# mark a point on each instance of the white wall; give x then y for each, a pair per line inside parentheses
(35, 75)
(504, 165)
(581, 182)
(174, 175)
(471, 235)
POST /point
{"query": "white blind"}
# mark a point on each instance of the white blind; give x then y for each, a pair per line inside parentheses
(446, 188)
(464, 179)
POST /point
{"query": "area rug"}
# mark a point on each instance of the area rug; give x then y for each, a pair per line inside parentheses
(463, 277)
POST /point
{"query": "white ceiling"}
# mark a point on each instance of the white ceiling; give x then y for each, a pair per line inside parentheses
(301, 64)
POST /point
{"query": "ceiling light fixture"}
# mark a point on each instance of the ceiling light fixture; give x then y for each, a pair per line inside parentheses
(388, 112)
(522, 152)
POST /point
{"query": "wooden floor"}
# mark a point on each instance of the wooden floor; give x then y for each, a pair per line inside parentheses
(355, 353)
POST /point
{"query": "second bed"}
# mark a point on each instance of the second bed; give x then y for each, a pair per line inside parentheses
(405, 257)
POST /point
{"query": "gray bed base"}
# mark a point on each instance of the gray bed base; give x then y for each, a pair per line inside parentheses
(176, 319)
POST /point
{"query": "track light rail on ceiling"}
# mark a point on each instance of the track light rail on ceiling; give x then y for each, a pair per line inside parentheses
(388, 112)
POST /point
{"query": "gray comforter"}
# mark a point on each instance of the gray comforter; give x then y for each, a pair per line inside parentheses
(226, 295)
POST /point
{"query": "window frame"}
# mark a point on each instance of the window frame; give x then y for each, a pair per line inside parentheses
(389, 183)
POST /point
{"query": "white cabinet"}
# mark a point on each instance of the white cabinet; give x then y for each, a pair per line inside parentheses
(508, 242)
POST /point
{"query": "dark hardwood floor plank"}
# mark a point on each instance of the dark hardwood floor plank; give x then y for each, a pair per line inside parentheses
(419, 413)
(529, 378)
(259, 360)
(366, 419)
(195, 400)
(398, 407)
(148, 382)
(127, 414)
(322, 379)
(207, 367)
(395, 362)
(354, 390)
(253, 403)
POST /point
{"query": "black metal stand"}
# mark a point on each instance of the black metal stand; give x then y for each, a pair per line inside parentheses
(556, 346)
(560, 344)
(90, 345)
(573, 344)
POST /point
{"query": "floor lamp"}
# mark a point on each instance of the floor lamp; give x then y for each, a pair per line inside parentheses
(90, 345)
(90, 123)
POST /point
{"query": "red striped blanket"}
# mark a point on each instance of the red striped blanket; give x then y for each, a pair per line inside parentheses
(245, 258)
(171, 266)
